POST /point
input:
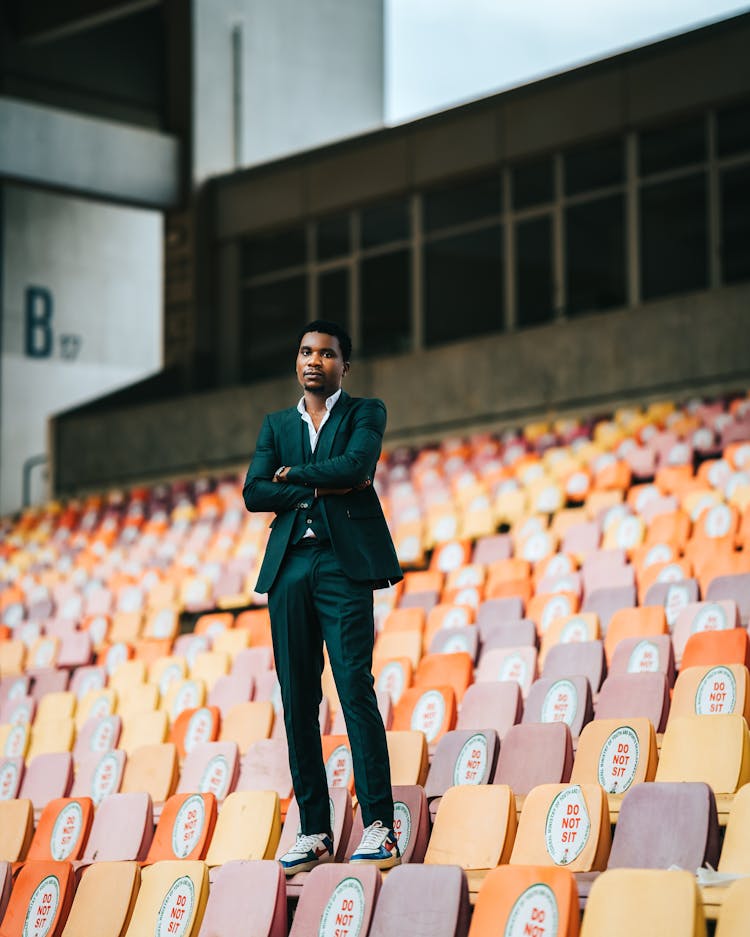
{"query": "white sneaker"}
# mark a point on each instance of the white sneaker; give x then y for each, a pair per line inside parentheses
(378, 847)
(307, 852)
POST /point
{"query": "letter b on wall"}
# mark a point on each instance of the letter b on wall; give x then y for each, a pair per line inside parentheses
(39, 312)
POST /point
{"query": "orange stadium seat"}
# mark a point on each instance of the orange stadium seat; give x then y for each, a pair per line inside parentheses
(527, 897)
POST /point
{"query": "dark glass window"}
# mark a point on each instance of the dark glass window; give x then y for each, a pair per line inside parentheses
(594, 166)
(272, 315)
(595, 254)
(735, 224)
(333, 296)
(672, 146)
(463, 286)
(533, 183)
(272, 252)
(332, 237)
(534, 271)
(459, 203)
(673, 237)
(385, 303)
(733, 129)
(385, 222)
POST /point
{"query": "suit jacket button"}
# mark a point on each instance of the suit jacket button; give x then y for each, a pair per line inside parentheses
(309, 520)
(304, 504)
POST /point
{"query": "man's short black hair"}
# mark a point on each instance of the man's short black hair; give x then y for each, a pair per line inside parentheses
(329, 328)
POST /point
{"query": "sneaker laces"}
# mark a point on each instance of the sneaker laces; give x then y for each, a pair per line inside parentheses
(374, 836)
(307, 842)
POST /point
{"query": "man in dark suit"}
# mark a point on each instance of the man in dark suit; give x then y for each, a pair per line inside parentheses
(329, 547)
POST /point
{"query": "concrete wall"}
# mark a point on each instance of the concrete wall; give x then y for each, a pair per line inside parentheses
(692, 344)
(307, 73)
(90, 277)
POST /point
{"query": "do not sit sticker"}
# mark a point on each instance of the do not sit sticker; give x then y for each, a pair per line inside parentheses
(42, 909)
(344, 913)
(176, 910)
(618, 760)
(428, 714)
(188, 826)
(644, 658)
(568, 826)
(402, 824)
(560, 702)
(717, 693)
(534, 913)
(471, 764)
(339, 767)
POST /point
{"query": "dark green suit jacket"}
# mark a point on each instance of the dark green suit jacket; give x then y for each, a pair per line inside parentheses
(346, 454)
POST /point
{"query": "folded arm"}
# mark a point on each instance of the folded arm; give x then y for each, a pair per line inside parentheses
(260, 492)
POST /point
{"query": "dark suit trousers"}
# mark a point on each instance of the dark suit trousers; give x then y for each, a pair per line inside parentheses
(310, 602)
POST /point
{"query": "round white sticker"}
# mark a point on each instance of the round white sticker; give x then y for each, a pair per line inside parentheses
(537, 547)
(457, 617)
(339, 767)
(568, 826)
(44, 653)
(428, 714)
(471, 764)
(116, 655)
(629, 533)
(15, 743)
(559, 565)
(678, 597)
(187, 697)
(402, 824)
(392, 680)
(215, 778)
(659, 553)
(17, 689)
(101, 707)
(98, 629)
(534, 913)
(66, 831)
(468, 596)
(718, 521)
(716, 693)
(557, 607)
(199, 728)
(93, 680)
(176, 912)
(163, 624)
(42, 909)
(21, 712)
(106, 778)
(574, 631)
(188, 826)
(513, 668)
(8, 780)
(710, 618)
(618, 761)
(456, 643)
(560, 702)
(345, 911)
(672, 572)
(103, 737)
(450, 557)
(169, 675)
(644, 658)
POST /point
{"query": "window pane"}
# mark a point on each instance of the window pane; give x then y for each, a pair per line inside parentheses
(272, 315)
(533, 183)
(273, 252)
(594, 166)
(332, 237)
(534, 271)
(385, 304)
(669, 147)
(463, 286)
(458, 204)
(735, 224)
(673, 237)
(333, 296)
(595, 254)
(385, 222)
(733, 126)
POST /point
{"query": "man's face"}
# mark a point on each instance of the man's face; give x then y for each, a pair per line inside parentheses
(320, 364)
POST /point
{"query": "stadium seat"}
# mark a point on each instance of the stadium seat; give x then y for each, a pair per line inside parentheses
(408, 756)
(95, 704)
(249, 827)
(455, 670)
(175, 891)
(583, 658)
(642, 622)
(185, 828)
(62, 831)
(122, 829)
(43, 891)
(252, 662)
(535, 753)
(564, 699)
(152, 768)
(104, 900)
(47, 776)
(144, 728)
(422, 899)
(717, 647)
(464, 638)
(265, 767)
(432, 711)
(608, 600)
(639, 655)
(11, 777)
(336, 896)
(616, 754)
(396, 644)
(16, 828)
(497, 705)
(210, 767)
(461, 757)
(245, 723)
(711, 690)
(631, 695)
(250, 894)
(736, 587)
(99, 774)
(393, 675)
(528, 898)
(734, 911)
(510, 663)
(194, 726)
(493, 611)
(509, 633)
(411, 823)
(230, 690)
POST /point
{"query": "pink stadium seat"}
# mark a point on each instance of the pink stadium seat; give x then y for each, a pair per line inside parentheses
(736, 587)
(463, 756)
(624, 695)
(265, 767)
(47, 776)
(98, 734)
(17, 709)
(495, 610)
(250, 895)
(252, 662)
(450, 640)
(560, 699)
(87, 678)
(490, 549)
(122, 830)
(585, 658)
(497, 705)
(47, 681)
(342, 816)
(210, 766)
(639, 655)
(98, 775)
(230, 690)
(411, 823)
(510, 634)
(607, 600)
(76, 650)
(581, 539)
(535, 753)
(422, 899)
(337, 893)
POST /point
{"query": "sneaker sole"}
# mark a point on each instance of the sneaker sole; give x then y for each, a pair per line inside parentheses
(378, 863)
(304, 866)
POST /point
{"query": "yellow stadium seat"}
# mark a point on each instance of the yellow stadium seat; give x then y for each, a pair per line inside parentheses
(408, 756)
(153, 769)
(246, 723)
(174, 891)
(143, 728)
(104, 900)
(249, 827)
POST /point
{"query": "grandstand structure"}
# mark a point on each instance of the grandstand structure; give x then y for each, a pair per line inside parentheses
(563, 672)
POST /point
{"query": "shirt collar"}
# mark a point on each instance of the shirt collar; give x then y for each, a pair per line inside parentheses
(330, 402)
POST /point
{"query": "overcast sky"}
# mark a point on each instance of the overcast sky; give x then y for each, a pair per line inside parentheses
(442, 52)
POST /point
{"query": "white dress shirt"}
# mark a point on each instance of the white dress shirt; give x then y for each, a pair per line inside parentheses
(314, 433)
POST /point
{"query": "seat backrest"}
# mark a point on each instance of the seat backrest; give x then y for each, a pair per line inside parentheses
(735, 856)
(152, 768)
(644, 655)
(615, 753)
(736, 587)
(210, 767)
(461, 638)
(62, 830)
(673, 596)
(194, 726)
(265, 767)
(144, 729)
(607, 600)
(53, 735)
(432, 711)
(337, 894)
(422, 899)
(733, 916)
(245, 723)
(527, 898)
(463, 756)
(666, 824)
(585, 658)
(47, 776)
(252, 662)
(11, 777)
(668, 902)
(455, 670)
(251, 892)
(341, 813)
(643, 621)
(104, 900)
(229, 690)
(96, 736)
(712, 690)
(717, 647)
(565, 699)
(497, 705)
(697, 617)
(249, 827)
(516, 633)
(535, 753)
(411, 823)
(564, 824)
(16, 829)
(185, 828)
(42, 890)
(174, 891)
(509, 663)
(475, 827)
(122, 829)
(99, 775)
(492, 611)
(629, 695)
(408, 756)
(714, 749)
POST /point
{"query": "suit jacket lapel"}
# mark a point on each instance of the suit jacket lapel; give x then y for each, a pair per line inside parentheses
(293, 437)
(328, 433)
